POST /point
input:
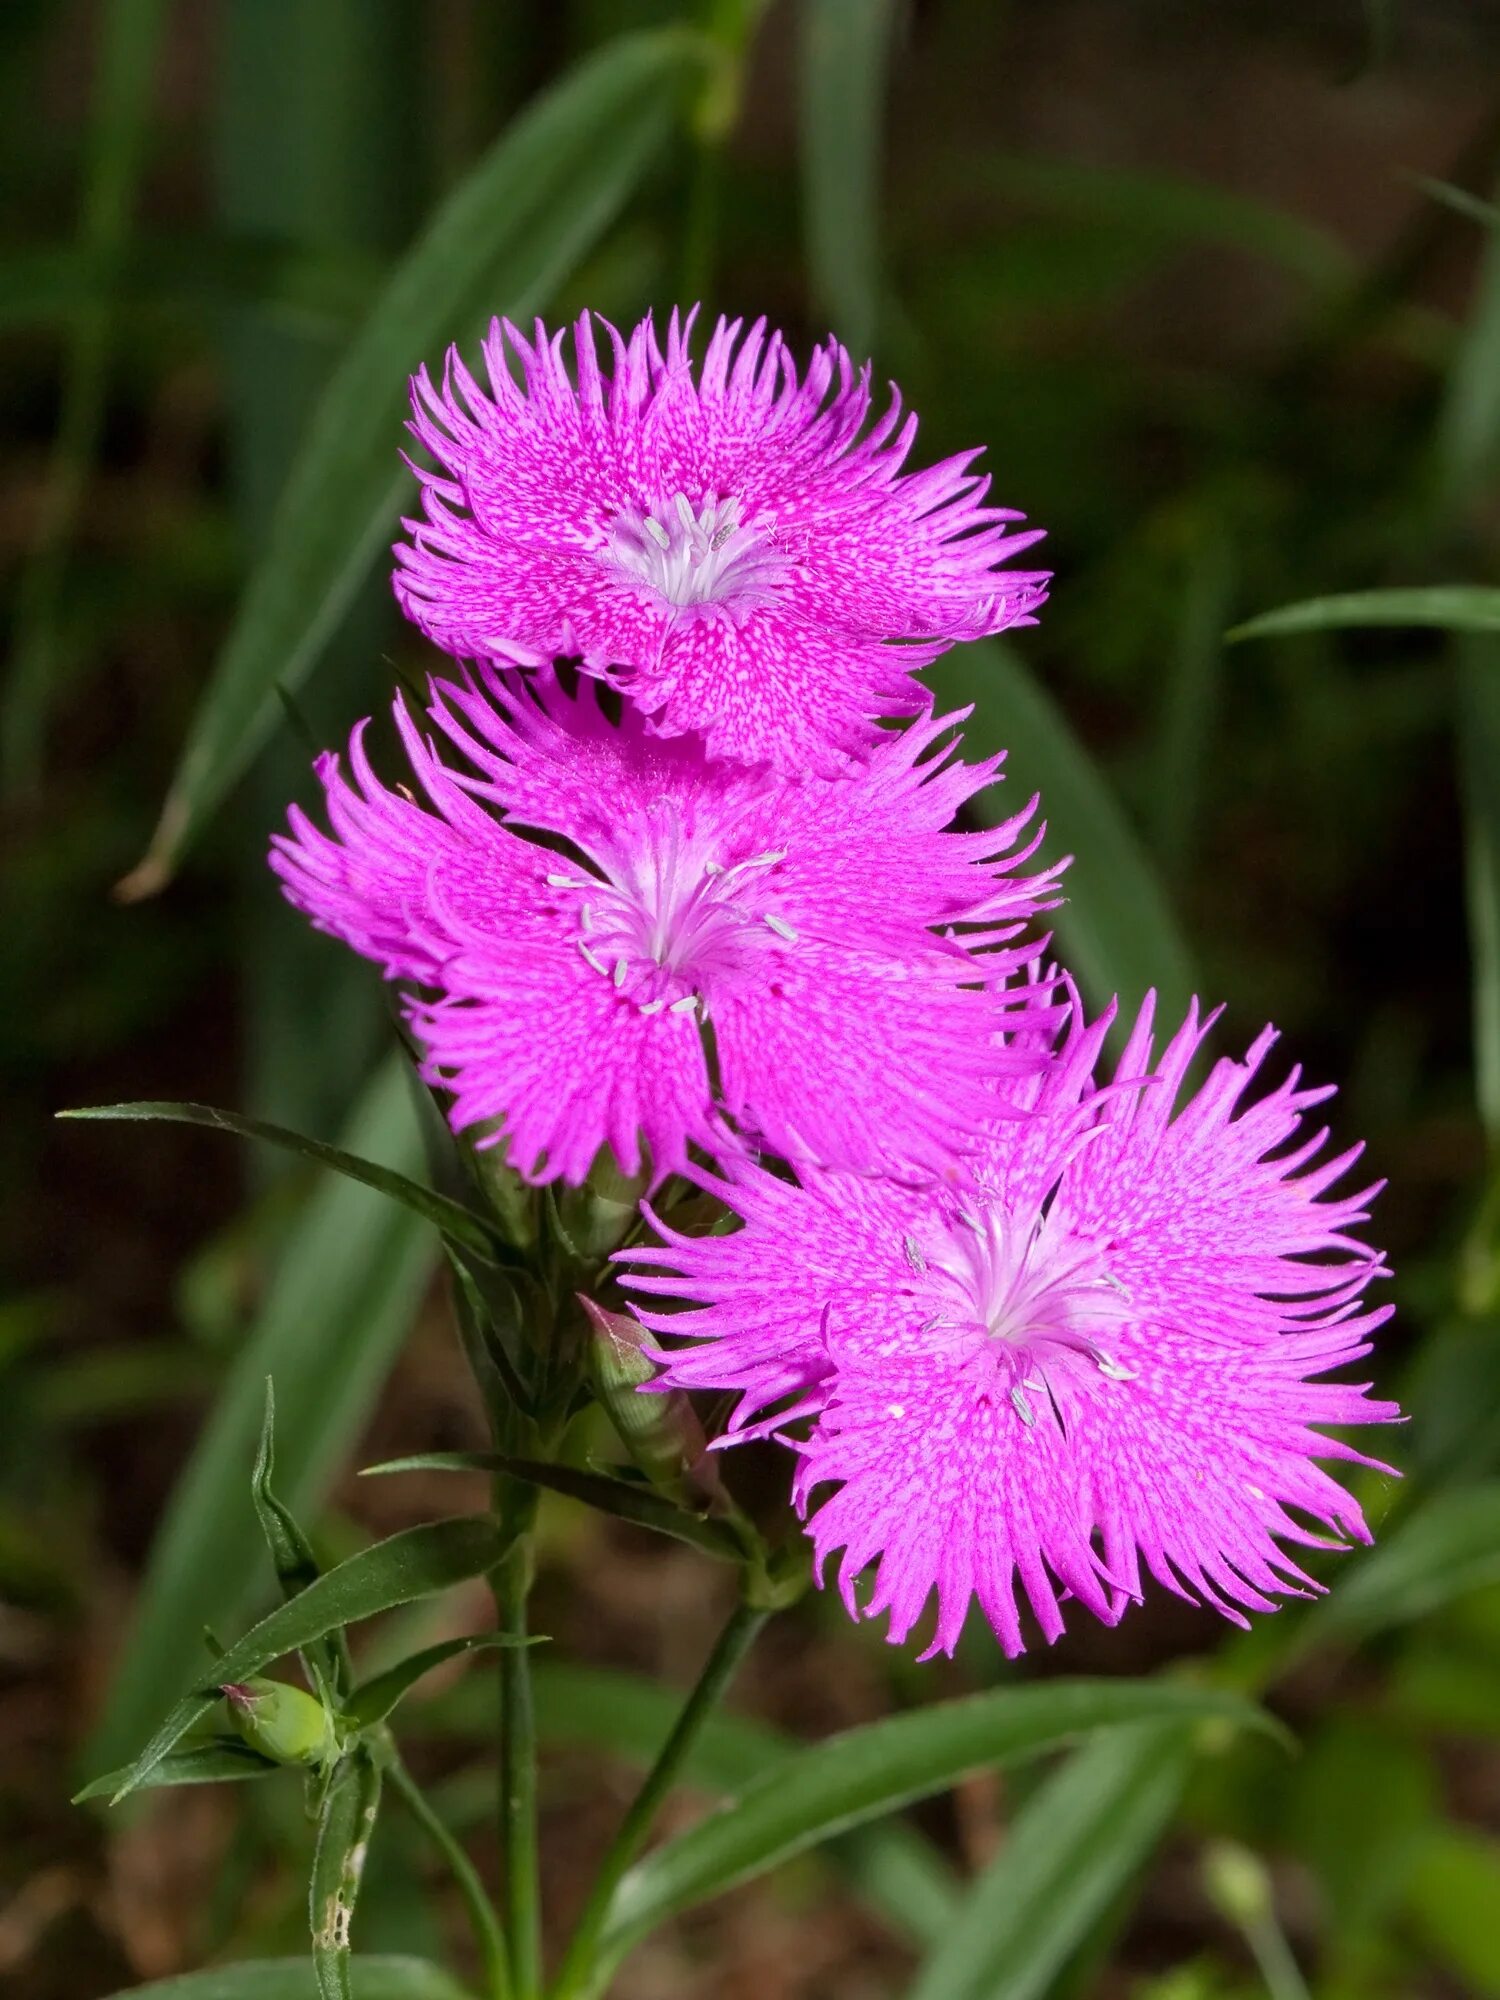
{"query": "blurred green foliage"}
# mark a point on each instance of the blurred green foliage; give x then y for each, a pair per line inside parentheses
(1240, 357)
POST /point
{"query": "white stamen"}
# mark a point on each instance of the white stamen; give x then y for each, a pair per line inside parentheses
(622, 973)
(593, 961)
(685, 1005)
(653, 1006)
(914, 1255)
(720, 537)
(585, 917)
(713, 868)
(1022, 1407)
(896, 1410)
(564, 882)
(685, 512)
(781, 927)
(657, 532)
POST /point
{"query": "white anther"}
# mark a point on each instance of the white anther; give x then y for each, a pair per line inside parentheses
(781, 927)
(914, 1255)
(593, 961)
(713, 868)
(657, 532)
(685, 512)
(685, 1005)
(896, 1410)
(622, 973)
(1022, 1407)
(564, 882)
(721, 536)
(653, 1006)
(1108, 1368)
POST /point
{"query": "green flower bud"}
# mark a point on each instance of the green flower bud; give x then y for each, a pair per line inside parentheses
(282, 1722)
(661, 1433)
(594, 1218)
(1238, 1884)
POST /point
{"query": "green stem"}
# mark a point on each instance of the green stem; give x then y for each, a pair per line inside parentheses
(581, 1968)
(486, 1925)
(511, 1582)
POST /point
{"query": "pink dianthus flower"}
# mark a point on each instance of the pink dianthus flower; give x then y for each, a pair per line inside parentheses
(735, 551)
(1108, 1355)
(834, 938)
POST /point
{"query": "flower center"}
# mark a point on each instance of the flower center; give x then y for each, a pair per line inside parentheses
(713, 556)
(1039, 1301)
(667, 920)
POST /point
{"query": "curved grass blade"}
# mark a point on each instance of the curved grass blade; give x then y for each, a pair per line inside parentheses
(845, 57)
(294, 1979)
(342, 1299)
(216, 1762)
(865, 1773)
(1449, 607)
(1116, 930)
(462, 1224)
(418, 1562)
(502, 241)
(1073, 1847)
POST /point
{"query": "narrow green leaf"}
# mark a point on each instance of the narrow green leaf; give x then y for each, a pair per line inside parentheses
(374, 1701)
(462, 1224)
(294, 1979)
(1460, 200)
(845, 58)
(875, 1770)
(216, 1762)
(1070, 1851)
(502, 241)
(341, 1301)
(1447, 1548)
(1116, 931)
(345, 1827)
(894, 1870)
(1451, 607)
(327, 1661)
(642, 1505)
(416, 1563)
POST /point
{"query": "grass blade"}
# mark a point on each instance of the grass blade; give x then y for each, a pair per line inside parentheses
(217, 1762)
(845, 57)
(1451, 607)
(1116, 931)
(868, 1772)
(341, 1302)
(502, 241)
(1071, 1850)
(450, 1217)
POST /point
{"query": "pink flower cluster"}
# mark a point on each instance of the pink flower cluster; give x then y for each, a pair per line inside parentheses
(683, 876)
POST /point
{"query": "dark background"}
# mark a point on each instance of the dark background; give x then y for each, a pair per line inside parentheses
(1173, 264)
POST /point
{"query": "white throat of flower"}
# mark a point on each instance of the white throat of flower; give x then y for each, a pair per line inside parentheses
(709, 557)
(1039, 1302)
(662, 922)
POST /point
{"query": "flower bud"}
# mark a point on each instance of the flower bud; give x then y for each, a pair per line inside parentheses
(1238, 1884)
(594, 1218)
(282, 1722)
(661, 1432)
